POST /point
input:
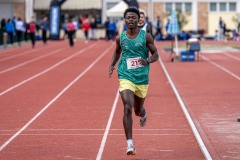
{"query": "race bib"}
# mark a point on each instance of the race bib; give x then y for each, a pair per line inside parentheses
(133, 63)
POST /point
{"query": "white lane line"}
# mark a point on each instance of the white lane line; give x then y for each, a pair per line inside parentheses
(222, 68)
(18, 54)
(88, 134)
(232, 56)
(104, 139)
(92, 129)
(46, 70)
(30, 61)
(185, 111)
(5, 51)
(23, 53)
(54, 99)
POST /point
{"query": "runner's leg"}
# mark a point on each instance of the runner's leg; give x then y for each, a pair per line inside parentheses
(128, 100)
(138, 106)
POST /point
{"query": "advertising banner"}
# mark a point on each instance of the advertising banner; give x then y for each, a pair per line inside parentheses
(55, 18)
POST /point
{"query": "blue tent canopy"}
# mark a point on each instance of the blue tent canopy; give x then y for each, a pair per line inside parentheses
(173, 26)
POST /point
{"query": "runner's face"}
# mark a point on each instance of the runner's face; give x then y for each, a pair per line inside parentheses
(131, 20)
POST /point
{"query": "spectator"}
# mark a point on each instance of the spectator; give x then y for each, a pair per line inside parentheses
(20, 28)
(221, 29)
(3, 22)
(75, 22)
(44, 26)
(86, 27)
(26, 26)
(71, 31)
(106, 25)
(158, 26)
(93, 25)
(32, 30)
(112, 29)
(10, 31)
(183, 35)
(149, 26)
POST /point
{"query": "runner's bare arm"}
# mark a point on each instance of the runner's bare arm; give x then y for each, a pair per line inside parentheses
(116, 56)
(153, 50)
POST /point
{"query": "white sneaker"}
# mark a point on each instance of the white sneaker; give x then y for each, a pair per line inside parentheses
(131, 150)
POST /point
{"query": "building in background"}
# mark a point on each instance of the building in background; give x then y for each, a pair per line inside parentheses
(10, 8)
(200, 14)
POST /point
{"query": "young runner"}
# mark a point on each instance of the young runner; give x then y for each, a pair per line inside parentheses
(133, 46)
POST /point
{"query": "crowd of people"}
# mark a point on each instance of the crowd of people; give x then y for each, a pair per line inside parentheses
(18, 30)
(23, 31)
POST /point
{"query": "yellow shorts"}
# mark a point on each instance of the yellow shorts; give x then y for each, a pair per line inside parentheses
(138, 90)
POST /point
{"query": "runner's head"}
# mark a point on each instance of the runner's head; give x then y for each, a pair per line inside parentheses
(131, 16)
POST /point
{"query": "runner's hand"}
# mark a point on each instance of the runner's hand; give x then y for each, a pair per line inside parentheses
(143, 61)
(111, 68)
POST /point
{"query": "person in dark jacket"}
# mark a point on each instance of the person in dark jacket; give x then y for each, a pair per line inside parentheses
(44, 27)
(112, 26)
(106, 25)
(3, 22)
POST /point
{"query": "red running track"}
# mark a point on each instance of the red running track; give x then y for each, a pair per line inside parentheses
(57, 102)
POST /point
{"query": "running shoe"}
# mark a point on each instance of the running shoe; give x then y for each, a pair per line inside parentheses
(143, 120)
(131, 150)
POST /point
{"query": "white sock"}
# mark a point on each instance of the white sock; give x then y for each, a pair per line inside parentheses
(129, 142)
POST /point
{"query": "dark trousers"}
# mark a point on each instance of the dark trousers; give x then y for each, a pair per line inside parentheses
(44, 36)
(112, 35)
(26, 36)
(32, 38)
(70, 36)
(10, 37)
(158, 32)
(86, 35)
(19, 37)
(107, 35)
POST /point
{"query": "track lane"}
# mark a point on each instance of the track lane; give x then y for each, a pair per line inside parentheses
(54, 117)
(210, 95)
(26, 51)
(13, 49)
(26, 73)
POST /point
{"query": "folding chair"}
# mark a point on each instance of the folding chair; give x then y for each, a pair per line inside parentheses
(193, 45)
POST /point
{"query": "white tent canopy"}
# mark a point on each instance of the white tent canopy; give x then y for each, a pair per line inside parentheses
(117, 10)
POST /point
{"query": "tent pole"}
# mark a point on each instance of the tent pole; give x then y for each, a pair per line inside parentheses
(150, 10)
(176, 43)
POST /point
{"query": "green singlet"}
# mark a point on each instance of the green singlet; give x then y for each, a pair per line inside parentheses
(128, 66)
